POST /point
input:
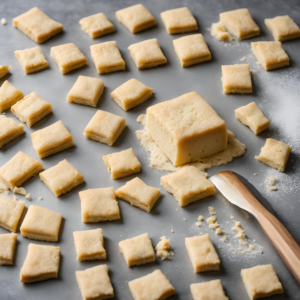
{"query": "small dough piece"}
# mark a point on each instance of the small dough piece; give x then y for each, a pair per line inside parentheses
(283, 28)
(261, 281)
(10, 213)
(94, 283)
(209, 290)
(31, 109)
(138, 250)
(188, 185)
(179, 20)
(68, 57)
(131, 94)
(19, 169)
(32, 60)
(9, 130)
(107, 57)
(96, 25)
(202, 253)
(98, 205)
(9, 95)
(236, 79)
(89, 244)
(240, 23)
(122, 163)
(139, 194)
(274, 154)
(7, 248)
(136, 18)
(37, 25)
(152, 286)
(251, 116)
(105, 127)
(41, 263)
(147, 54)
(270, 55)
(41, 224)
(163, 249)
(4, 70)
(219, 31)
(191, 49)
(52, 139)
(61, 178)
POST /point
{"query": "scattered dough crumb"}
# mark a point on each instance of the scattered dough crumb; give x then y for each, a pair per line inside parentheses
(163, 249)
(184, 219)
(219, 31)
(243, 58)
(211, 210)
(214, 226)
(224, 238)
(232, 217)
(27, 196)
(200, 218)
(20, 191)
(172, 230)
(142, 119)
(3, 21)
(219, 231)
(271, 184)
(198, 224)
(211, 220)
(251, 247)
(238, 224)
(241, 235)
(255, 174)
(243, 242)
(40, 198)
(15, 198)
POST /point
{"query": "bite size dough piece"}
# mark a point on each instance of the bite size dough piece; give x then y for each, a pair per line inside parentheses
(186, 128)
(202, 253)
(97, 25)
(163, 249)
(107, 57)
(41, 263)
(41, 224)
(191, 50)
(32, 60)
(251, 116)
(274, 154)
(131, 94)
(136, 18)
(152, 286)
(94, 283)
(138, 250)
(270, 55)
(9, 95)
(9, 130)
(98, 205)
(4, 70)
(105, 127)
(219, 31)
(179, 20)
(31, 109)
(147, 54)
(37, 25)
(61, 178)
(52, 139)
(188, 185)
(240, 23)
(209, 290)
(122, 163)
(261, 281)
(7, 248)
(139, 194)
(68, 57)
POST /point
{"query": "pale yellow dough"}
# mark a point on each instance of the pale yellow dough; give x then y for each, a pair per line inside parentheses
(4, 70)
(163, 249)
(219, 31)
(7, 248)
(9, 95)
(209, 290)
(9, 130)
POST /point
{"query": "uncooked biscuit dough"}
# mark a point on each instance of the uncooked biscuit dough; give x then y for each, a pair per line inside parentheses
(9, 130)
(209, 290)
(219, 31)
(4, 70)
(7, 248)
(9, 95)
(163, 249)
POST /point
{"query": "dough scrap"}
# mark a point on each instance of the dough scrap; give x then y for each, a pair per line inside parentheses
(7, 248)
(219, 31)
(9, 95)
(9, 130)
(4, 70)
(209, 290)
(163, 249)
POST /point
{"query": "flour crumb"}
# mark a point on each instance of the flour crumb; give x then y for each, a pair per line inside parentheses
(224, 238)
(211, 220)
(40, 198)
(251, 247)
(238, 224)
(141, 119)
(219, 31)
(232, 217)
(163, 250)
(198, 224)
(172, 230)
(7, 192)
(184, 219)
(214, 226)
(243, 58)
(20, 191)
(243, 242)
(211, 210)
(27, 196)
(3, 21)
(271, 184)
(255, 174)
(219, 231)
(200, 218)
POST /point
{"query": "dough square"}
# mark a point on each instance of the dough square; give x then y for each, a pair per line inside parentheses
(261, 281)
(89, 244)
(138, 250)
(9, 95)
(37, 25)
(7, 248)
(274, 154)
(32, 60)
(188, 185)
(152, 286)
(209, 290)
(98, 205)
(270, 55)
(179, 20)
(61, 178)
(4, 70)
(147, 54)
(94, 283)
(107, 57)
(236, 79)
(122, 163)
(68, 57)
(202, 253)
(136, 18)
(41, 263)
(139, 194)
(131, 94)
(52, 139)
(31, 109)
(9, 130)
(240, 23)
(191, 50)
(105, 127)
(41, 224)
(251, 116)
(283, 28)
(96, 25)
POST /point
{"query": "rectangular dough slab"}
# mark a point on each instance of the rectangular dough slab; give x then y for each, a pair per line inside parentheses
(209, 290)
(7, 248)
(9, 130)
(9, 95)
